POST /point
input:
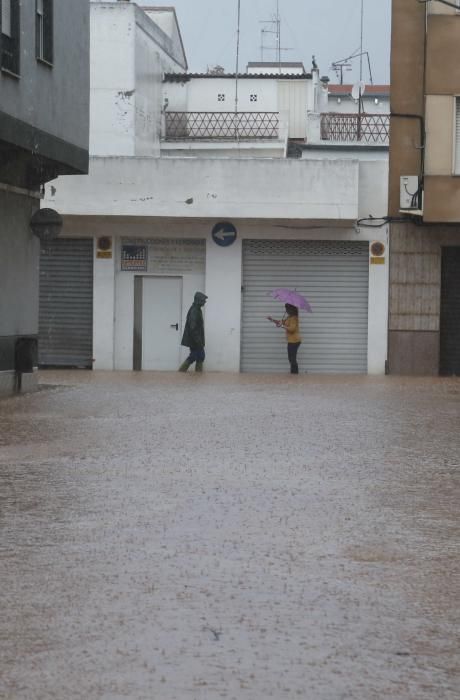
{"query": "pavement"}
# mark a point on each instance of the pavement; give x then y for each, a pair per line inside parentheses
(186, 537)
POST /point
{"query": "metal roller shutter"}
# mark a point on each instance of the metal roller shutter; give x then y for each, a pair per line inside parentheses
(66, 303)
(334, 276)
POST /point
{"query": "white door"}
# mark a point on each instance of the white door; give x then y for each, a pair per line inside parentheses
(161, 322)
(292, 99)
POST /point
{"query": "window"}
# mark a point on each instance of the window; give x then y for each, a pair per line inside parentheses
(457, 137)
(9, 38)
(44, 30)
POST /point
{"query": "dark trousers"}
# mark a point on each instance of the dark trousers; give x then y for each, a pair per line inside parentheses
(292, 355)
(196, 355)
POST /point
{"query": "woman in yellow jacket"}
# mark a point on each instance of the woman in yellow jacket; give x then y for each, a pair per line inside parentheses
(290, 322)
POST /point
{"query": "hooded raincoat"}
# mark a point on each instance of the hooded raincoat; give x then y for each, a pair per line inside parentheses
(193, 336)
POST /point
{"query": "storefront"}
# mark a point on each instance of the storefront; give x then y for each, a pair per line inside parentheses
(141, 278)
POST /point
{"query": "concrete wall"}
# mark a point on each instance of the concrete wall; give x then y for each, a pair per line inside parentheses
(220, 188)
(54, 100)
(129, 54)
(165, 18)
(19, 277)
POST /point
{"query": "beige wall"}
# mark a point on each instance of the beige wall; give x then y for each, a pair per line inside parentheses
(442, 200)
(443, 56)
(407, 69)
(437, 8)
(439, 126)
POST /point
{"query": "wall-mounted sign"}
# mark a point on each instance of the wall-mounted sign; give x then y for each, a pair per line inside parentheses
(104, 248)
(134, 258)
(169, 256)
(377, 261)
(377, 248)
(224, 234)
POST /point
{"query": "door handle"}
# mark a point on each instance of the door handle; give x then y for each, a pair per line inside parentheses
(175, 325)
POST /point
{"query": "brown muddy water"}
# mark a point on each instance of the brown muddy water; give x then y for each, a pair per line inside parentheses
(183, 537)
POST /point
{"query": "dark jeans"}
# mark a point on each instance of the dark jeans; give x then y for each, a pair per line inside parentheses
(292, 355)
(196, 355)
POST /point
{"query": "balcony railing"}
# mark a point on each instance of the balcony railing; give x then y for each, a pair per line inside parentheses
(221, 125)
(352, 128)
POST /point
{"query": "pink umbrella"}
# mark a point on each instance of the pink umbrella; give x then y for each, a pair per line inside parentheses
(289, 296)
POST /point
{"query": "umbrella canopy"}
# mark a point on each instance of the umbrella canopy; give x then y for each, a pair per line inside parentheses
(289, 296)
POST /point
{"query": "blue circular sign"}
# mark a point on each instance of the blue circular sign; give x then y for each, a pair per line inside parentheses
(224, 234)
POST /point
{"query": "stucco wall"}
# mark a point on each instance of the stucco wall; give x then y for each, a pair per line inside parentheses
(348, 105)
(55, 100)
(407, 69)
(443, 55)
(442, 200)
(129, 54)
(226, 187)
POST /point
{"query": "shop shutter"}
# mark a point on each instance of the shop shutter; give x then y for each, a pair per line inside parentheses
(334, 276)
(457, 136)
(66, 303)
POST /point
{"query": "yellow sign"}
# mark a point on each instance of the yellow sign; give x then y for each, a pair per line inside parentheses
(377, 261)
(105, 254)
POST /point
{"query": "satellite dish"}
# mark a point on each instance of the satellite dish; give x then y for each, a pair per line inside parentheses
(358, 89)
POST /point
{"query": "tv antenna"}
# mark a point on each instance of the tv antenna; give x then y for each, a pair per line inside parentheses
(272, 27)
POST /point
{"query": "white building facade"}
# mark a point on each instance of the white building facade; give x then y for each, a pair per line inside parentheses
(225, 211)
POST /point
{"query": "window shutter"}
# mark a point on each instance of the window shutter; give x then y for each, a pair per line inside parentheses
(6, 17)
(457, 137)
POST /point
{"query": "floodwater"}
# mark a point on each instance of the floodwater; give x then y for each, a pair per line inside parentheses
(184, 537)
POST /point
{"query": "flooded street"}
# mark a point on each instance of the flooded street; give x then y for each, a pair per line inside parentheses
(184, 537)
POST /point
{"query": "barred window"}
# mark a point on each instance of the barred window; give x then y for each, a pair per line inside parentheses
(9, 37)
(44, 30)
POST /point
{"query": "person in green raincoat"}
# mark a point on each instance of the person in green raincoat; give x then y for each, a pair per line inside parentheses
(193, 336)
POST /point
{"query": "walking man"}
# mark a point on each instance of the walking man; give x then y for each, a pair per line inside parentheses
(193, 337)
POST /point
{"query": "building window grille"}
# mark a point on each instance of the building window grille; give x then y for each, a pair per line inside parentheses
(253, 98)
(9, 37)
(221, 97)
(457, 137)
(44, 30)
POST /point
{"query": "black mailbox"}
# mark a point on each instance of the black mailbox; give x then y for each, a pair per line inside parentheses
(25, 355)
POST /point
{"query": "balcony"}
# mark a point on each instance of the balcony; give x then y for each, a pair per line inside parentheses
(368, 129)
(224, 126)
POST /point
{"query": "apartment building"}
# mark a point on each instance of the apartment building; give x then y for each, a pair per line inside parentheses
(44, 131)
(424, 190)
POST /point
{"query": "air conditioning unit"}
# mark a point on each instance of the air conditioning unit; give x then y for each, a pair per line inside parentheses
(410, 194)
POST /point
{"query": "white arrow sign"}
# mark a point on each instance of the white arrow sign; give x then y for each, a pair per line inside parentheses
(222, 234)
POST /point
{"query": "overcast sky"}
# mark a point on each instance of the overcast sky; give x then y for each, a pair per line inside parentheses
(330, 29)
